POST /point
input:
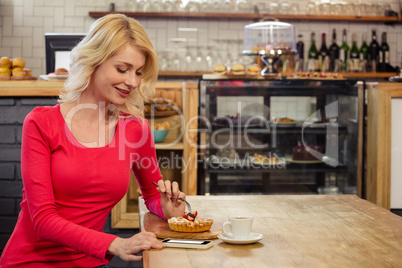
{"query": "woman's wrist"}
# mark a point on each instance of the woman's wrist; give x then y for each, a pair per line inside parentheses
(113, 248)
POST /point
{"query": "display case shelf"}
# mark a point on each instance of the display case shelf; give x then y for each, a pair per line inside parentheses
(248, 16)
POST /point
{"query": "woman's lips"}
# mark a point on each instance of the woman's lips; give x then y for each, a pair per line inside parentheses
(123, 92)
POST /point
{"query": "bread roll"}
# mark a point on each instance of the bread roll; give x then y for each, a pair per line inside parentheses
(61, 71)
(238, 69)
(219, 69)
(28, 72)
(4, 71)
(18, 72)
(253, 69)
(5, 62)
(18, 62)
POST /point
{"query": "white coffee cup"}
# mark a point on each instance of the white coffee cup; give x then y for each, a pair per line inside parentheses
(240, 227)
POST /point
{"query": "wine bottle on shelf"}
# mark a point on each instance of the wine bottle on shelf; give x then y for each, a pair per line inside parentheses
(384, 53)
(344, 52)
(334, 54)
(312, 63)
(373, 53)
(323, 55)
(300, 54)
(354, 55)
(364, 48)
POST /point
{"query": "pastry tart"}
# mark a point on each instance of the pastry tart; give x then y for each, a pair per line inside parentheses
(194, 225)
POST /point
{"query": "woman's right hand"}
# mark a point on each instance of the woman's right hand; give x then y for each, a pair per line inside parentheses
(128, 248)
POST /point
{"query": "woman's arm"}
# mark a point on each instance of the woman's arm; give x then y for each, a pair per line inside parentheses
(146, 171)
(38, 189)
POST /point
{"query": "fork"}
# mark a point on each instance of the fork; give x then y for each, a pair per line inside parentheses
(178, 198)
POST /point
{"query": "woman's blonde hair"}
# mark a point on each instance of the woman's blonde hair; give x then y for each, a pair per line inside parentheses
(105, 38)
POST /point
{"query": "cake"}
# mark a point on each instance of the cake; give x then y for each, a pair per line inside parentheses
(263, 159)
(284, 120)
(189, 224)
(302, 152)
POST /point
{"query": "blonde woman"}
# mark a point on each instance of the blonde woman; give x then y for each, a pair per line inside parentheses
(76, 156)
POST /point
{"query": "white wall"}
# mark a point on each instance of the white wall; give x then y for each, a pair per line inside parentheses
(23, 24)
(396, 154)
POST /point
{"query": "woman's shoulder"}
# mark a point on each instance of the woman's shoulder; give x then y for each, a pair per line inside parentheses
(44, 113)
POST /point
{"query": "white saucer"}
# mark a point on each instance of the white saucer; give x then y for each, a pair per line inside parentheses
(53, 77)
(254, 237)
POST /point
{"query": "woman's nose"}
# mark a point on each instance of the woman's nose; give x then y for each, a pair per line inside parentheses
(133, 81)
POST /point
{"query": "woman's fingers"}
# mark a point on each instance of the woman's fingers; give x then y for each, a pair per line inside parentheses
(168, 186)
(150, 240)
(138, 243)
(175, 189)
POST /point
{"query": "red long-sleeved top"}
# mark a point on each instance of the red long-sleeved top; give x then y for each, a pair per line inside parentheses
(69, 190)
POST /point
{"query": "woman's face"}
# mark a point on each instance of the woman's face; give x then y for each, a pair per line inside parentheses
(114, 79)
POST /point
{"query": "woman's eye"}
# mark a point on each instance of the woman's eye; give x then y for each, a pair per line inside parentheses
(121, 71)
(139, 73)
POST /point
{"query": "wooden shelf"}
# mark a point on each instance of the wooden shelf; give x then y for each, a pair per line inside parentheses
(369, 75)
(346, 75)
(168, 146)
(248, 16)
(182, 74)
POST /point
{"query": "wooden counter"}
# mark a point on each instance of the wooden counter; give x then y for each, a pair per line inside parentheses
(53, 88)
(30, 88)
(298, 230)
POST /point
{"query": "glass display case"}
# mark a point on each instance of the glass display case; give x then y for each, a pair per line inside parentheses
(259, 136)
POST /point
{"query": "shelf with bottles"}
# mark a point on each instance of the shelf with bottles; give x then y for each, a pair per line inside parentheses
(252, 16)
(168, 74)
(370, 60)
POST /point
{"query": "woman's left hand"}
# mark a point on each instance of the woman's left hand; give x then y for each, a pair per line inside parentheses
(171, 206)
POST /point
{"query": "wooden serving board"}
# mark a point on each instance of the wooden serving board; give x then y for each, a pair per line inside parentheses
(157, 225)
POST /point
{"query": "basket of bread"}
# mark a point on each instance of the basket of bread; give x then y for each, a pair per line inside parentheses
(14, 69)
(159, 107)
(160, 131)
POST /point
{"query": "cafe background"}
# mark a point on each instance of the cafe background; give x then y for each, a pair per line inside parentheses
(23, 24)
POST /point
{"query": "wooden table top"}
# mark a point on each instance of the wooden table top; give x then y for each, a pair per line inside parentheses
(299, 231)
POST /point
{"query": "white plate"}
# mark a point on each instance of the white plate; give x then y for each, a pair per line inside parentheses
(266, 162)
(224, 161)
(395, 79)
(283, 124)
(54, 77)
(318, 125)
(290, 160)
(254, 237)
